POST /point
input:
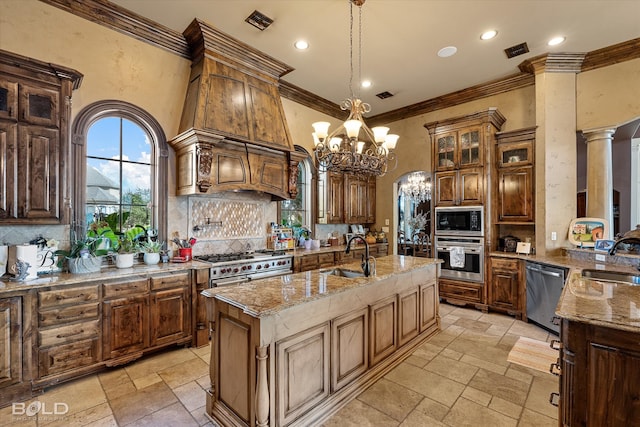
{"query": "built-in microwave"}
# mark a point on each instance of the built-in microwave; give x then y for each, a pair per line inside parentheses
(459, 220)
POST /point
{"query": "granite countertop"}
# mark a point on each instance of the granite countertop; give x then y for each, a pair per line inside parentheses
(106, 273)
(298, 251)
(603, 303)
(269, 296)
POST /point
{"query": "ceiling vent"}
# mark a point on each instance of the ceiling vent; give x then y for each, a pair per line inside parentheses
(384, 95)
(516, 50)
(259, 20)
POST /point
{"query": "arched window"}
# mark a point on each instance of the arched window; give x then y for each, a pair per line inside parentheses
(120, 165)
(296, 212)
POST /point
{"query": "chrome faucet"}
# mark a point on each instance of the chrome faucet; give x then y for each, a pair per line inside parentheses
(366, 267)
(633, 240)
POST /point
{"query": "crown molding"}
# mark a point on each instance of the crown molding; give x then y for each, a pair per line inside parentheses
(127, 22)
(553, 63)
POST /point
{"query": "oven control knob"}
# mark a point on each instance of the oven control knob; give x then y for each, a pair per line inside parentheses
(223, 270)
(266, 266)
(258, 267)
(249, 267)
(235, 270)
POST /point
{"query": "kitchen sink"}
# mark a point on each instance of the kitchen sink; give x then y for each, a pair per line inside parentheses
(343, 272)
(614, 276)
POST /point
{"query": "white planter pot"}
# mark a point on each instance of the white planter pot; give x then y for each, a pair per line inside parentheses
(151, 258)
(124, 260)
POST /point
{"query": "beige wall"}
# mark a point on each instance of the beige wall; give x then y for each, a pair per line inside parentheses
(608, 97)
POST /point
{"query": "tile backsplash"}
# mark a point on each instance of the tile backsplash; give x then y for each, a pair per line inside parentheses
(244, 218)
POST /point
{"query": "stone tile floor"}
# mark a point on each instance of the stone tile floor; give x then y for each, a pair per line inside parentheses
(460, 377)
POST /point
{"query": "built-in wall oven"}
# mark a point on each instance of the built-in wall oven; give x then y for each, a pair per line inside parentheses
(462, 256)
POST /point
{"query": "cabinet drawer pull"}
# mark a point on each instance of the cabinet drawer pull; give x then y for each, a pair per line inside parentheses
(61, 297)
(554, 399)
(555, 320)
(555, 344)
(80, 313)
(81, 331)
(554, 369)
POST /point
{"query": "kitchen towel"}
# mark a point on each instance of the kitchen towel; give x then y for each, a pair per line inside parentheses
(456, 257)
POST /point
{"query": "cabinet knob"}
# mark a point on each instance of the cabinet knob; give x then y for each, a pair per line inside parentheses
(555, 344)
(555, 369)
(554, 399)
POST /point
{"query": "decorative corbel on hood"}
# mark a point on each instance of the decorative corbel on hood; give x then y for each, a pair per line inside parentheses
(233, 131)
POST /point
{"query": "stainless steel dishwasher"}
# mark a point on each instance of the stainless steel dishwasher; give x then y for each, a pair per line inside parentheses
(544, 286)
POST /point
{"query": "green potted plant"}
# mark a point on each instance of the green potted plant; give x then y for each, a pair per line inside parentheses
(152, 251)
(127, 248)
(84, 256)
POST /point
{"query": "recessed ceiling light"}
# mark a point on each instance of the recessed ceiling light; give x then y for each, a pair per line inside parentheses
(447, 51)
(488, 35)
(301, 45)
(556, 41)
(366, 83)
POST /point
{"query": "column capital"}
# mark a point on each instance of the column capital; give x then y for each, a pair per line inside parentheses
(591, 135)
(553, 63)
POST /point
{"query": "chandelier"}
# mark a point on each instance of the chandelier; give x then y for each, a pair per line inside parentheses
(342, 150)
(416, 188)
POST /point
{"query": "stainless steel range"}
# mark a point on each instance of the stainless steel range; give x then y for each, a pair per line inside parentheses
(234, 268)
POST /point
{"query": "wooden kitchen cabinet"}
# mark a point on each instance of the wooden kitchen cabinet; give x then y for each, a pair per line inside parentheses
(14, 375)
(429, 306)
(370, 205)
(459, 187)
(408, 315)
(35, 109)
(459, 149)
(506, 286)
(330, 198)
(355, 199)
(346, 199)
(461, 292)
(201, 326)
(170, 308)
(313, 262)
(125, 312)
(600, 368)
(69, 325)
(515, 167)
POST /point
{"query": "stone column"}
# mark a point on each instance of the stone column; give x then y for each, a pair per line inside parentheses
(555, 152)
(600, 175)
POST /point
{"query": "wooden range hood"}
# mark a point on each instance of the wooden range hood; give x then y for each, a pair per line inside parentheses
(233, 132)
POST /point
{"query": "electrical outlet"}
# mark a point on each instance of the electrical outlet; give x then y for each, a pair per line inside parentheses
(554, 235)
(386, 221)
(600, 257)
(385, 229)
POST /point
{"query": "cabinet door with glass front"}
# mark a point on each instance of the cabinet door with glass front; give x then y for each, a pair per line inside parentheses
(459, 149)
(515, 154)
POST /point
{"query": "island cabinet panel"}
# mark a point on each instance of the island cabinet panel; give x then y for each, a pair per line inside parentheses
(429, 303)
(349, 347)
(408, 318)
(599, 377)
(383, 329)
(303, 375)
(234, 384)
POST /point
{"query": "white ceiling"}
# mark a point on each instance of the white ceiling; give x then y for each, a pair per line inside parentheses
(401, 38)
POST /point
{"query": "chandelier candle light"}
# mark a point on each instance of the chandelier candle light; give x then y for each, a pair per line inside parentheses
(417, 188)
(342, 150)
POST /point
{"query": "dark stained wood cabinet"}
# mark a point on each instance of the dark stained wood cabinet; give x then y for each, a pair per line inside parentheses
(600, 368)
(370, 205)
(506, 286)
(170, 308)
(11, 344)
(515, 177)
(346, 199)
(35, 109)
(335, 198)
(460, 187)
(355, 199)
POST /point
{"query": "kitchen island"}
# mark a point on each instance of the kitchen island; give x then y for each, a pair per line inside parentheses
(600, 352)
(295, 349)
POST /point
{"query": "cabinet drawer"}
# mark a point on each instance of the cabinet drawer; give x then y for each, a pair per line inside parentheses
(171, 280)
(125, 288)
(63, 358)
(309, 262)
(466, 292)
(326, 260)
(60, 297)
(68, 314)
(69, 333)
(505, 264)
